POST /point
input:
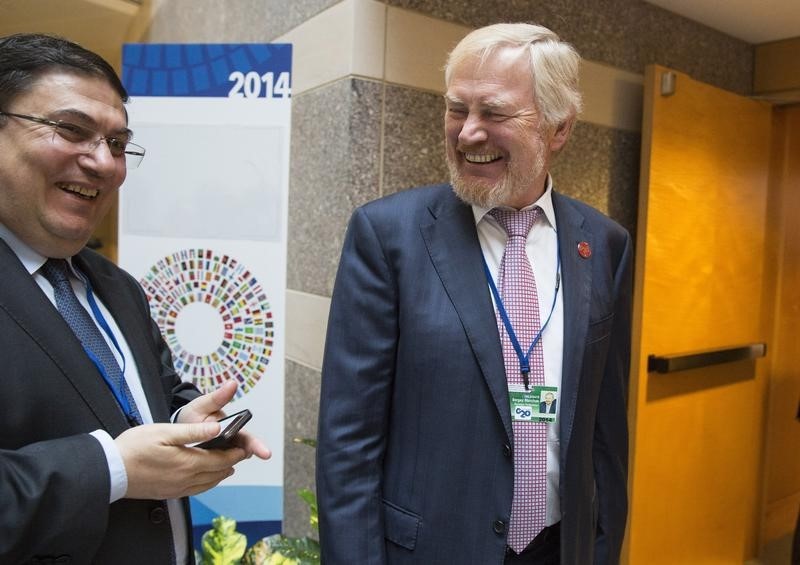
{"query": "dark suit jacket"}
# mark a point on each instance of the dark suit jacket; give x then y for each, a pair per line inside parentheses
(415, 440)
(54, 483)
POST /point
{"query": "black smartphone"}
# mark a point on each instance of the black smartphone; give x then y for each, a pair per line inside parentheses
(229, 427)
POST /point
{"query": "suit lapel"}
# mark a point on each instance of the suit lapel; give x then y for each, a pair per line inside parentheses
(35, 315)
(112, 292)
(577, 284)
(452, 242)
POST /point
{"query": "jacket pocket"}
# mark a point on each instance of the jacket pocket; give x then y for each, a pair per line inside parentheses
(600, 329)
(400, 525)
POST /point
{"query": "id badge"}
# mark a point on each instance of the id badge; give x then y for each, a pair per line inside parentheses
(539, 404)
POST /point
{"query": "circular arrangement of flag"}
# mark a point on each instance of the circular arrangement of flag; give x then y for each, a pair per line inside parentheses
(222, 287)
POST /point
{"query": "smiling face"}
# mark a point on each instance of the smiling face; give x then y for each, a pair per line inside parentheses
(51, 196)
(498, 150)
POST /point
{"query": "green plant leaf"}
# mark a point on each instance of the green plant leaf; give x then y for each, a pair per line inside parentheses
(223, 545)
(310, 498)
(311, 442)
(278, 549)
(258, 554)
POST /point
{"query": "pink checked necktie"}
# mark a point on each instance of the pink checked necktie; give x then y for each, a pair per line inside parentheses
(518, 292)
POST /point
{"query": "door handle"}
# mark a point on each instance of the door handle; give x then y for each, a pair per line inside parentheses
(697, 359)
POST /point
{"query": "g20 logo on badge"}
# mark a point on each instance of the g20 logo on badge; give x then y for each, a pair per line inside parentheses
(523, 412)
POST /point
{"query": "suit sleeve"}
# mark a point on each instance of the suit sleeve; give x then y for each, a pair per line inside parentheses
(357, 377)
(55, 495)
(611, 426)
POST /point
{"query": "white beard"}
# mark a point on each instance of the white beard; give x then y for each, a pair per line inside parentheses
(514, 184)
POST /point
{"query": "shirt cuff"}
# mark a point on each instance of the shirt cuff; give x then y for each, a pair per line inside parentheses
(116, 467)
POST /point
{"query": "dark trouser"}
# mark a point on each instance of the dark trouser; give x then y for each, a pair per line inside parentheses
(543, 550)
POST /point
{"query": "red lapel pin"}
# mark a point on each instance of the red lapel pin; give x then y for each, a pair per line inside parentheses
(584, 250)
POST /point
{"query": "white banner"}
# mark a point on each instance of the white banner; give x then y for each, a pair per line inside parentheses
(203, 225)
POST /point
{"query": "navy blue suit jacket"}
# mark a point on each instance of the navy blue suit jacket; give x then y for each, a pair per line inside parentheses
(415, 441)
(54, 482)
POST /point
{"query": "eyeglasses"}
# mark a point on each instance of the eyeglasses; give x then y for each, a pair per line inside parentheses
(84, 140)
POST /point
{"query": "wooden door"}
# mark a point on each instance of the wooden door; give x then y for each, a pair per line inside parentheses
(696, 434)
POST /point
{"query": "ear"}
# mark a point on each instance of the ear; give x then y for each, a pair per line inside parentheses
(561, 134)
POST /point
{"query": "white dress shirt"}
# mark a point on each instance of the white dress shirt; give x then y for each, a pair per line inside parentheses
(542, 248)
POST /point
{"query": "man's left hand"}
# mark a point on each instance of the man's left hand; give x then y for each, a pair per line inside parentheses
(209, 408)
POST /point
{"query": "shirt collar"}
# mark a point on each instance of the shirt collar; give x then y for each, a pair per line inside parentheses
(545, 202)
(30, 259)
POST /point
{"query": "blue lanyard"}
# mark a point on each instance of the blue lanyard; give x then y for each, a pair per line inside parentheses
(524, 358)
(122, 399)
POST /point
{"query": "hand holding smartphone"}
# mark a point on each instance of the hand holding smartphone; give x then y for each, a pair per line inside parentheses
(229, 427)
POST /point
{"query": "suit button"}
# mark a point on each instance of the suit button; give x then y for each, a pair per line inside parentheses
(507, 450)
(499, 527)
(158, 515)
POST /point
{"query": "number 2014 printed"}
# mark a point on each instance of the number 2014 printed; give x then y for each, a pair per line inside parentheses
(253, 85)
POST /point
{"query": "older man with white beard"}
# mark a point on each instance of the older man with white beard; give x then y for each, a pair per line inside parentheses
(457, 309)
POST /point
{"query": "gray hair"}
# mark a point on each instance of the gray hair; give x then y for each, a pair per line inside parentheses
(555, 65)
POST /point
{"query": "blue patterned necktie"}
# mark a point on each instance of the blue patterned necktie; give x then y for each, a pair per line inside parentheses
(87, 332)
(518, 292)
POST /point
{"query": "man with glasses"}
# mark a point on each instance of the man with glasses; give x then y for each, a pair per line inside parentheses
(90, 470)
